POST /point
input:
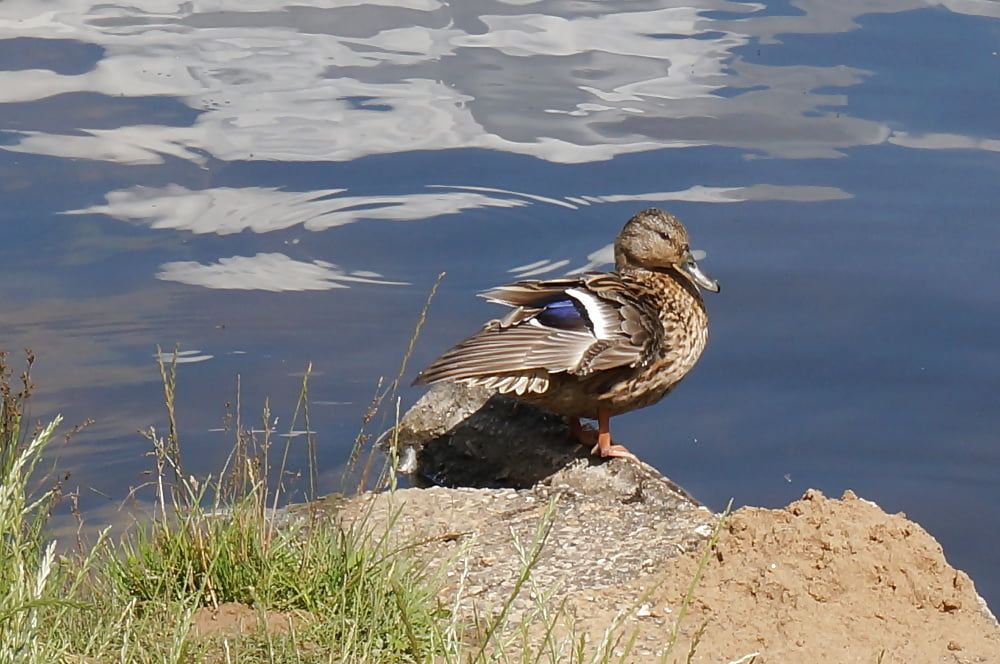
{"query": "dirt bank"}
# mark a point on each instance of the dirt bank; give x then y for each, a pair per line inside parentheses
(819, 581)
(822, 580)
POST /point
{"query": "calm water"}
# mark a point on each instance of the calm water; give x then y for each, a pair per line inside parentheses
(270, 185)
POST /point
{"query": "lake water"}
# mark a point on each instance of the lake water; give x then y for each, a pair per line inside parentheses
(270, 185)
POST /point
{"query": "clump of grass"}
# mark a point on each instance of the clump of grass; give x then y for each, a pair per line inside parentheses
(27, 565)
(352, 597)
(14, 396)
(36, 590)
(222, 540)
(207, 542)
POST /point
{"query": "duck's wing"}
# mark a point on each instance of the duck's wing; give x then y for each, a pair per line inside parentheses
(576, 326)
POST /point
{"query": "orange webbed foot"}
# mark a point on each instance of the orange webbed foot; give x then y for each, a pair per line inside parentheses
(606, 449)
(614, 451)
(599, 441)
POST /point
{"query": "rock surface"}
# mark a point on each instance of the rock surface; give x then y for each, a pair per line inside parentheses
(621, 546)
(592, 539)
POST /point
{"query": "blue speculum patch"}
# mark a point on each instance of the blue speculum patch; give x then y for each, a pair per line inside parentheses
(565, 314)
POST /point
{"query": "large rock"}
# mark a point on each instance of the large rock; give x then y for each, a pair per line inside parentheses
(460, 436)
(499, 470)
(620, 551)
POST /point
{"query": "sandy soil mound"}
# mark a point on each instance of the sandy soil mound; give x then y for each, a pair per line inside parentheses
(819, 581)
(233, 619)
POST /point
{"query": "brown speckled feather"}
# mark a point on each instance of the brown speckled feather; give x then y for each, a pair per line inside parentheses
(608, 324)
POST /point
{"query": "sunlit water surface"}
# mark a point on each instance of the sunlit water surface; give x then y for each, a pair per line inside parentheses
(270, 186)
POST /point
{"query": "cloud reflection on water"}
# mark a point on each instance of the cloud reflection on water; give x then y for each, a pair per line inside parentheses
(939, 141)
(267, 272)
(225, 211)
(337, 80)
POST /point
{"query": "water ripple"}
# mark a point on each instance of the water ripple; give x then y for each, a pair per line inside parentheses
(565, 83)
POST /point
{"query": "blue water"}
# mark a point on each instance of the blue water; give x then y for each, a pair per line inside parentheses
(269, 186)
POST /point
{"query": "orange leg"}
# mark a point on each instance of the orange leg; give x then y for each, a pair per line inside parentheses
(604, 447)
(600, 440)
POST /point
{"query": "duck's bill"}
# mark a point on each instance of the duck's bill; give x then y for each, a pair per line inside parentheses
(697, 276)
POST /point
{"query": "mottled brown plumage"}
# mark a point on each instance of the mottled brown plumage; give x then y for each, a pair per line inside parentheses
(596, 345)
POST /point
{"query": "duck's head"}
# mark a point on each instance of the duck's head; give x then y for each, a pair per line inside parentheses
(654, 239)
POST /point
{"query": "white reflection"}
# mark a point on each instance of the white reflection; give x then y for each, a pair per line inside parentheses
(944, 142)
(340, 79)
(541, 267)
(597, 259)
(757, 192)
(268, 272)
(182, 357)
(225, 210)
(222, 210)
(133, 146)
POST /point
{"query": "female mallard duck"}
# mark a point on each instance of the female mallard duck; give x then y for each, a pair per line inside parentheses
(596, 345)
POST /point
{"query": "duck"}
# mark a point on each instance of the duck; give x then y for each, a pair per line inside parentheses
(595, 345)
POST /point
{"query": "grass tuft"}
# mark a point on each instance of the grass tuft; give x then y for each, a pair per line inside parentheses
(221, 541)
(207, 543)
(31, 576)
